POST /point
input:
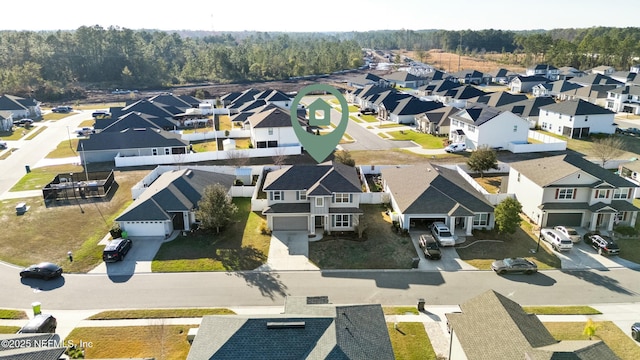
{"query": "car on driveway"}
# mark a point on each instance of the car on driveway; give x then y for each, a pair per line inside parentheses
(442, 234)
(62, 109)
(603, 245)
(3, 144)
(514, 265)
(635, 331)
(44, 270)
(453, 148)
(116, 250)
(558, 241)
(429, 247)
(569, 232)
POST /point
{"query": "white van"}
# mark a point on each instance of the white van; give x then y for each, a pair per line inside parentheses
(557, 240)
(457, 147)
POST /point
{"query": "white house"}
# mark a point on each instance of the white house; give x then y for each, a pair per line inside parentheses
(272, 127)
(624, 99)
(572, 191)
(576, 119)
(481, 125)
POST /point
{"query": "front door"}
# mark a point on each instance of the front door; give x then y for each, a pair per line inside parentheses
(319, 221)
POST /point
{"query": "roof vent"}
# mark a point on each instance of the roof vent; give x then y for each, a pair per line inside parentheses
(285, 325)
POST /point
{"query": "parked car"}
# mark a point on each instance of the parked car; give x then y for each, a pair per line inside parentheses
(604, 246)
(569, 232)
(451, 148)
(3, 144)
(518, 264)
(41, 323)
(632, 131)
(98, 114)
(442, 234)
(116, 250)
(635, 331)
(44, 270)
(62, 109)
(367, 111)
(558, 241)
(23, 122)
(429, 247)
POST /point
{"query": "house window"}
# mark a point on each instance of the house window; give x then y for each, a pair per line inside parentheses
(515, 128)
(601, 194)
(341, 220)
(167, 151)
(471, 128)
(277, 195)
(481, 219)
(270, 131)
(301, 195)
(518, 177)
(319, 202)
(565, 194)
(154, 152)
(586, 118)
(570, 117)
(560, 116)
(621, 194)
(341, 198)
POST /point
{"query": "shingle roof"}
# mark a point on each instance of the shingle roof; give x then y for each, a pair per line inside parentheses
(546, 171)
(131, 139)
(499, 98)
(171, 100)
(627, 90)
(576, 107)
(402, 76)
(321, 179)
(432, 189)
(10, 102)
(464, 92)
(529, 107)
(270, 118)
(413, 106)
(133, 121)
(478, 113)
(441, 115)
(533, 78)
(595, 79)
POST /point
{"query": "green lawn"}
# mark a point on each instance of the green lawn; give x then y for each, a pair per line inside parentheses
(585, 146)
(630, 249)
(410, 341)
(12, 314)
(608, 332)
(16, 133)
(355, 118)
(561, 310)
(65, 149)
(387, 126)
(427, 141)
(159, 313)
(369, 118)
(241, 246)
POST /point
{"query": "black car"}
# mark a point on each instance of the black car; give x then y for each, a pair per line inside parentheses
(429, 247)
(603, 245)
(44, 270)
(41, 323)
(514, 265)
(116, 250)
(635, 331)
(62, 109)
(23, 122)
(99, 114)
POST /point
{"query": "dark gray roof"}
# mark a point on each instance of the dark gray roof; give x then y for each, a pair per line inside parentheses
(131, 139)
(499, 98)
(251, 105)
(321, 179)
(433, 189)
(270, 118)
(277, 95)
(33, 352)
(595, 79)
(402, 76)
(151, 108)
(527, 108)
(133, 121)
(10, 102)
(546, 171)
(462, 93)
(170, 100)
(369, 90)
(577, 107)
(441, 115)
(177, 190)
(413, 106)
(288, 208)
(312, 331)
(533, 79)
(478, 113)
(627, 90)
(544, 67)
(563, 85)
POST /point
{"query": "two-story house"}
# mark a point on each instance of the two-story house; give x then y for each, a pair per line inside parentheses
(624, 99)
(572, 191)
(548, 71)
(313, 198)
(576, 119)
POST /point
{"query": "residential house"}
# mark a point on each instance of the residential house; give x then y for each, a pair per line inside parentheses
(528, 109)
(132, 120)
(544, 70)
(595, 94)
(309, 328)
(20, 107)
(470, 77)
(363, 80)
(569, 72)
(603, 70)
(572, 191)
(625, 77)
(170, 202)
(459, 96)
(313, 198)
(635, 68)
(6, 120)
(271, 127)
(436, 122)
(553, 89)
(405, 110)
(502, 76)
(480, 125)
(384, 102)
(596, 79)
(492, 326)
(631, 171)
(524, 84)
(498, 98)
(424, 193)
(182, 102)
(624, 99)
(405, 79)
(576, 119)
(435, 87)
(106, 145)
(359, 95)
(162, 115)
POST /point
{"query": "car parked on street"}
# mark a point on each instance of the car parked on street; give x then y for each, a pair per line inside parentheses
(558, 241)
(62, 109)
(569, 232)
(3, 144)
(116, 250)
(429, 247)
(23, 122)
(43, 270)
(442, 234)
(603, 245)
(514, 265)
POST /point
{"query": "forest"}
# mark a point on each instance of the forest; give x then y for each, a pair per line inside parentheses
(63, 64)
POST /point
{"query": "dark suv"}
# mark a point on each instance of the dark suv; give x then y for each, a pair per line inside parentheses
(116, 250)
(603, 245)
(41, 323)
(635, 331)
(429, 247)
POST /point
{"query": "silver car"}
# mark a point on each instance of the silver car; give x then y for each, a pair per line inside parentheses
(569, 232)
(518, 264)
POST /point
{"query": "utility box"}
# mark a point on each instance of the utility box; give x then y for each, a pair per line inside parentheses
(415, 262)
(21, 208)
(421, 305)
(191, 335)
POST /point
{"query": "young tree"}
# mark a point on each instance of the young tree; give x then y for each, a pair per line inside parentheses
(215, 209)
(344, 156)
(507, 215)
(608, 148)
(483, 159)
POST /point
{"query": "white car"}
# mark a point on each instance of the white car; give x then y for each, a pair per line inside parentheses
(557, 240)
(569, 232)
(442, 234)
(458, 147)
(3, 144)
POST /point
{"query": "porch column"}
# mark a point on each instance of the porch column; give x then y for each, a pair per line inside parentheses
(592, 224)
(634, 216)
(452, 224)
(469, 226)
(311, 223)
(327, 223)
(612, 217)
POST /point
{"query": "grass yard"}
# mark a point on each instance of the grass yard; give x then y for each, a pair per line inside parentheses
(65, 149)
(47, 232)
(619, 342)
(585, 146)
(224, 122)
(55, 116)
(9, 329)
(355, 118)
(39, 177)
(369, 118)
(98, 106)
(159, 313)
(14, 134)
(156, 341)
(410, 341)
(400, 310)
(427, 141)
(561, 310)
(241, 246)
(202, 146)
(629, 249)
(482, 254)
(489, 183)
(387, 126)
(382, 248)
(12, 314)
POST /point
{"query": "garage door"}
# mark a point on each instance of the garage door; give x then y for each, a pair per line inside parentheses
(567, 219)
(300, 223)
(143, 228)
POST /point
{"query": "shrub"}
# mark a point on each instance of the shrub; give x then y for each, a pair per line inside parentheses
(264, 229)
(625, 230)
(115, 231)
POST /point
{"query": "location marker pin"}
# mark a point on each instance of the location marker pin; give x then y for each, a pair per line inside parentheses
(319, 146)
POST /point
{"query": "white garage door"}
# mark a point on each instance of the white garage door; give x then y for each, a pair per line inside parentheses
(144, 228)
(298, 223)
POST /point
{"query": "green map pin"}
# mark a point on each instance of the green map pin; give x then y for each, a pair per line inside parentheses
(319, 146)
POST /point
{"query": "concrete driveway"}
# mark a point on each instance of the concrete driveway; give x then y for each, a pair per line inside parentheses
(450, 261)
(288, 250)
(138, 260)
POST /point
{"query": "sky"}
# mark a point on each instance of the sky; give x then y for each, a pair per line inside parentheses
(317, 16)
